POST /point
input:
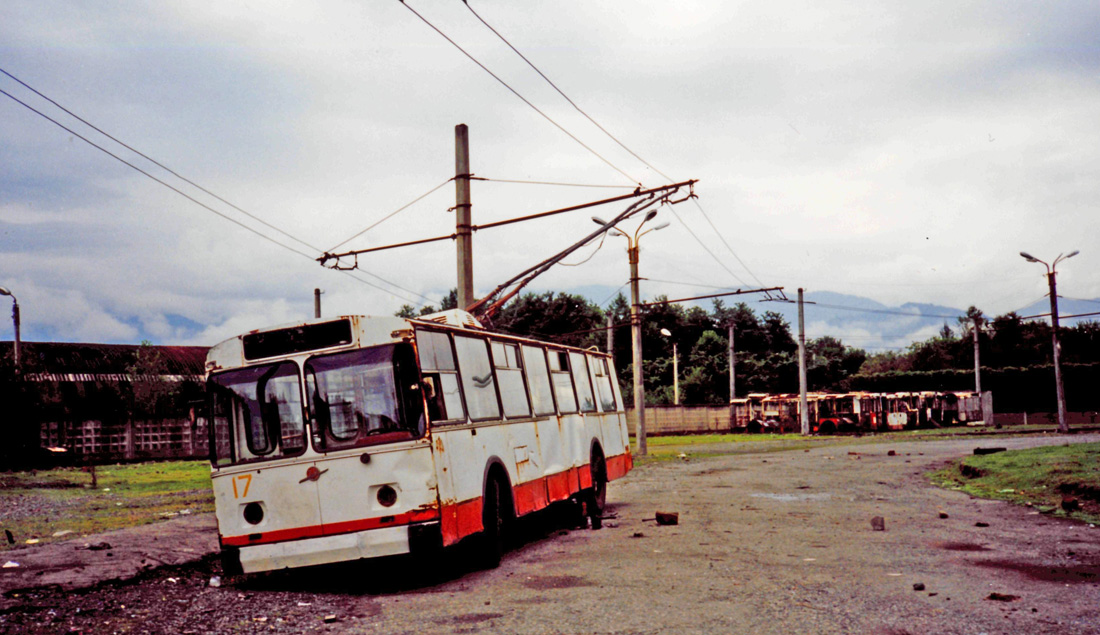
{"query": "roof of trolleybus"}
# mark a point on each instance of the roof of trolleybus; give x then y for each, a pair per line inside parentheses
(365, 330)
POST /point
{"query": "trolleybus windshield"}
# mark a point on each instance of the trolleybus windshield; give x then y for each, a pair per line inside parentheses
(364, 397)
(257, 413)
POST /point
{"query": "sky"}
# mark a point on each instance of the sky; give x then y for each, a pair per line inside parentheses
(892, 153)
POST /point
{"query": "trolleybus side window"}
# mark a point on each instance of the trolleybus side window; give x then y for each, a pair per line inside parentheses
(364, 397)
(478, 384)
(437, 365)
(261, 405)
(563, 384)
(582, 382)
(538, 378)
(513, 392)
(603, 384)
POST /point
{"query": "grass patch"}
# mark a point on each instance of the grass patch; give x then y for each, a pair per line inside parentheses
(703, 439)
(1040, 477)
(37, 505)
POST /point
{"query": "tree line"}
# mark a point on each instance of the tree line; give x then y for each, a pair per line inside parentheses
(767, 352)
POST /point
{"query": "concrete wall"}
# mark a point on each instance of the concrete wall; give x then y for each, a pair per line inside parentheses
(682, 419)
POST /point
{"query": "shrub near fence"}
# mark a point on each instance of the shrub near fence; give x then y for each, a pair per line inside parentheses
(660, 420)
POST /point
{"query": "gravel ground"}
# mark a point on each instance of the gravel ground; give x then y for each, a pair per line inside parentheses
(780, 542)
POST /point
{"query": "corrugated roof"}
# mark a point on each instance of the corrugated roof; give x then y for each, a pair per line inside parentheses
(67, 358)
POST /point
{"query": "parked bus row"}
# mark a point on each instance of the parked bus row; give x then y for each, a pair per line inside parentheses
(360, 437)
(831, 413)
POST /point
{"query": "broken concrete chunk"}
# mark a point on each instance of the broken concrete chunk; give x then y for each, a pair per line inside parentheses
(878, 523)
(981, 451)
(668, 518)
(1002, 597)
(919, 586)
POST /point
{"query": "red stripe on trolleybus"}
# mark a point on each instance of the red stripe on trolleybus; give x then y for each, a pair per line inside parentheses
(457, 520)
(331, 529)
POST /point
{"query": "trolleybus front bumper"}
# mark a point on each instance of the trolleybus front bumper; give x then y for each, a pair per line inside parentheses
(371, 543)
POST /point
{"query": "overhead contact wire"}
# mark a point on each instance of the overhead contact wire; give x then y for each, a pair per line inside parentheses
(390, 215)
(185, 194)
(564, 96)
(620, 143)
(521, 97)
(154, 161)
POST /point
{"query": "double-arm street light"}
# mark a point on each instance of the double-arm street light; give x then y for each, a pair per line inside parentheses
(15, 322)
(1051, 273)
(635, 321)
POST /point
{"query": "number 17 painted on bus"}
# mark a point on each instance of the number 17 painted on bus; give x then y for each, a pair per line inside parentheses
(361, 437)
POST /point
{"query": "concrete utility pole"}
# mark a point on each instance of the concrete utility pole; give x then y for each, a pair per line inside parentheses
(803, 406)
(15, 324)
(635, 319)
(636, 337)
(317, 303)
(610, 334)
(675, 368)
(733, 364)
(977, 358)
(1059, 393)
(464, 237)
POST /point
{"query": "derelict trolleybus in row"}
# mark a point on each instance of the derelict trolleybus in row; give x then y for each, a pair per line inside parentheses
(359, 437)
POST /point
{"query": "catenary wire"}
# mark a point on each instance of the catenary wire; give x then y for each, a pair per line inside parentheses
(521, 97)
(188, 196)
(521, 182)
(613, 295)
(389, 216)
(707, 249)
(154, 161)
(620, 143)
(564, 96)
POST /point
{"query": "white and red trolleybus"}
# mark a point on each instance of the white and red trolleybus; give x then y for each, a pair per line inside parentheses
(360, 437)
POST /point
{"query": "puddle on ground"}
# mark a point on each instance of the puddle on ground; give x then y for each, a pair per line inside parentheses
(961, 546)
(475, 618)
(555, 582)
(1047, 573)
(791, 498)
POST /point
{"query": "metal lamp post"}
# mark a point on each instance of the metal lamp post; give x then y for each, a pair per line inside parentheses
(1051, 274)
(635, 321)
(15, 322)
(675, 369)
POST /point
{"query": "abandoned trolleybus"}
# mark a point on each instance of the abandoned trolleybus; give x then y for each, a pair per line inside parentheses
(359, 437)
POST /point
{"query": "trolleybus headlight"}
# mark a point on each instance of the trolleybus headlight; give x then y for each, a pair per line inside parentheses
(387, 496)
(253, 513)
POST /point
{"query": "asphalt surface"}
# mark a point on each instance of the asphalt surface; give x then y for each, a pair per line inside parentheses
(776, 542)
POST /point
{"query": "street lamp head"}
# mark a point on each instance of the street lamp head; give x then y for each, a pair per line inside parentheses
(661, 226)
(598, 220)
(1072, 254)
(4, 291)
(1028, 257)
(666, 332)
(650, 215)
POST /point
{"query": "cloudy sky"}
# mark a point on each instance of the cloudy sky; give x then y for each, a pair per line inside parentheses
(897, 151)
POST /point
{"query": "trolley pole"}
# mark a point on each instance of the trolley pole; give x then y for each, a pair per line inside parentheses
(463, 236)
(803, 407)
(636, 335)
(317, 303)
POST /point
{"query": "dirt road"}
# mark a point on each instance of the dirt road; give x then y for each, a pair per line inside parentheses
(778, 542)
